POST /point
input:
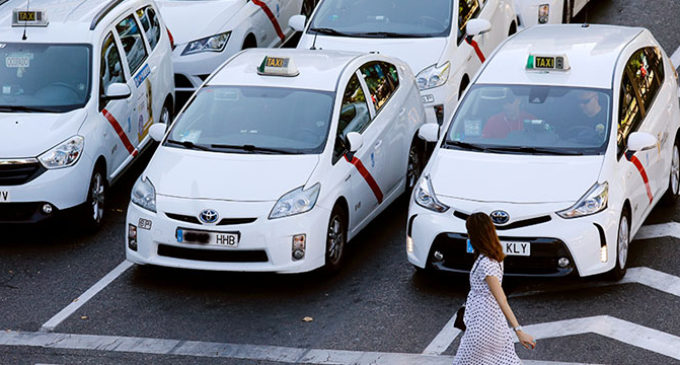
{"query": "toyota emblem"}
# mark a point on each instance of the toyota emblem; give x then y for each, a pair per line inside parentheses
(208, 216)
(499, 216)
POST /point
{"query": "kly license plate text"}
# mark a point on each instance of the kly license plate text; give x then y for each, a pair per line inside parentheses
(516, 248)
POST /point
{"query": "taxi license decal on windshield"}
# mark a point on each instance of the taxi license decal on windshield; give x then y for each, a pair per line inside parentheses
(272, 18)
(367, 176)
(641, 169)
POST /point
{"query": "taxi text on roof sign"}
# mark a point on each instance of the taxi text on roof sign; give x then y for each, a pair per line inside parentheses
(277, 66)
(554, 62)
(29, 18)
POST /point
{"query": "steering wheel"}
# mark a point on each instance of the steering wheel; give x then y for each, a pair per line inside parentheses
(64, 85)
(425, 19)
(582, 134)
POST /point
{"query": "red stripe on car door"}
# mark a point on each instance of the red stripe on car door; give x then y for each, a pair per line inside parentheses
(271, 17)
(475, 45)
(121, 134)
(367, 176)
(641, 169)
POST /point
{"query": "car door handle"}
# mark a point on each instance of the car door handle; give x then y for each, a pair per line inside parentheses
(402, 112)
(154, 68)
(378, 144)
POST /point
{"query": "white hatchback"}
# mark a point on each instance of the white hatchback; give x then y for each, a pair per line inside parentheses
(567, 138)
(443, 41)
(80, 87)
(278, 160)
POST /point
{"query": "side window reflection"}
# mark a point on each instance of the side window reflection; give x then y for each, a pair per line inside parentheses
(354, 115)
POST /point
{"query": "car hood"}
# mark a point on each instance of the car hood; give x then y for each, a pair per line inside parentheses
(226, 176)
(511, 178)
(418, 53)
(30, 134)
(192, 20)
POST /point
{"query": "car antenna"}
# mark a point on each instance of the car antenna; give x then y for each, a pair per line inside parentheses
(313, 48)
(28, 7)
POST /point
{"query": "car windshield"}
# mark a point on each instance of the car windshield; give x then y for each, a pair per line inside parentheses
(383, 18)
(532, 119)
(29, 80)
(246, 119)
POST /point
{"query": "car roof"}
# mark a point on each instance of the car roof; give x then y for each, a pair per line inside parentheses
(69, 20)
(319, 70)
(592, 52)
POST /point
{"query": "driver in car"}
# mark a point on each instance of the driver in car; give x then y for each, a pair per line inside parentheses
(510, 119)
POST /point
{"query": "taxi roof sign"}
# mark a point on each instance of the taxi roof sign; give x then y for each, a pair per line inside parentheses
(548, 63)
(29, 18)
(277, 66)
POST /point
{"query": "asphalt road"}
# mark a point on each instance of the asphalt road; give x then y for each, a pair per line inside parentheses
(377, 303)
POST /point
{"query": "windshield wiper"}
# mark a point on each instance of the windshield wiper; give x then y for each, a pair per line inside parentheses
(465, 145)
(189, 145)
(252, 148)
(21, 108)
(536, 150)
(386, 35)
(330, 31)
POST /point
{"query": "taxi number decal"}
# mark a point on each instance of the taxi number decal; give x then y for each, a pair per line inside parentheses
(276, 62)
(26, 16)
(142, 75)
(545, 62)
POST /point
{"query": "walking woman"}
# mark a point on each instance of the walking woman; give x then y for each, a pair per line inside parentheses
(487, 339)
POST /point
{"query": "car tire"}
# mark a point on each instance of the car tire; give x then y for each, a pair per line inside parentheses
(166, 115)
(673, 191)
(567, 12)
(336, 240)
(92, 214)
(415, 164)
(622, 248)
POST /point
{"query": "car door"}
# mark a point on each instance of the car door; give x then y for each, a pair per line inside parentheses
(490, 10)
(155, 83)
(268, 22)
(117, 113)
(381, 80)
(356, 115)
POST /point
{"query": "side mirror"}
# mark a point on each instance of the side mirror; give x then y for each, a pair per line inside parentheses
(641, 141)
(157, 131)
(477, 26)
(429, 132)
(297, 22)
(117, 90)
(355, 141)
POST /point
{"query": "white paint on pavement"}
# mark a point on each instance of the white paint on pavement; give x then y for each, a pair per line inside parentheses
(443, 339)
(222, 350)
(675, 58)
(654, 279)
(671, 229)
(87, 295)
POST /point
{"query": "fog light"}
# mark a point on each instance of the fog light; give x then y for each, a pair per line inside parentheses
(438, 256)
(426, 99)
(563, 262)
(299, 244)
(603, 254)
(47, 208)
(132, 237)
(543, 13)
(409, 244)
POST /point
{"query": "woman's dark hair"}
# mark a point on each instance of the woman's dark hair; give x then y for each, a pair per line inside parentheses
(483, 237)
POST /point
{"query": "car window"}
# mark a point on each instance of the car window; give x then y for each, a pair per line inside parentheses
(467, 9)
(133, 43)
(380, 82)
(630, 113)
(147, 16)
(111, 69)
(354, 115)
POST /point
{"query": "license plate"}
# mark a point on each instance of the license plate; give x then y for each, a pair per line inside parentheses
(207, 238)
(4, 196)
(516, 248)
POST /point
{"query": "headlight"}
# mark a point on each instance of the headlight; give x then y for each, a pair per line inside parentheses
(433, 76)
(594, 201)
(144, 194)
(296, 202)
(214, 43)
(425, 196)
(65, 154)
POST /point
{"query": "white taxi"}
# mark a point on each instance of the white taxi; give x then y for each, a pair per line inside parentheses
(278, 160)
(567, 138)
(81, 82)
(532, 12)
(443, 41)
(207, 33)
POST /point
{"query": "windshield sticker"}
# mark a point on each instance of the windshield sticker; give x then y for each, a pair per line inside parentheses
(226, 95)
(17, 61)
(2, 45)
(6, 90)
(142, 75)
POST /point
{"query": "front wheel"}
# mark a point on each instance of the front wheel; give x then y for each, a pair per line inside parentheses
(93, 209)
(622, 244)
(415, 165)
(336, 239)
(673, 192)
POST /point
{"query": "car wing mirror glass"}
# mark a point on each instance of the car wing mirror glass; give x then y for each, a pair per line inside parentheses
(117, 90)
(641, 141)
(477, 26)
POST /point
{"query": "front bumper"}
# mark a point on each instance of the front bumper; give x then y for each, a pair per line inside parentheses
(439, 102)
(551, 237)
(191, 70)
(264, 245)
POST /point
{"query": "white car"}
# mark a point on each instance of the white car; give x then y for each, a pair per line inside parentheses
(206, 33)
(80, 87)
(567, 138)
(532, 12)
(430, 35)
(277, 161)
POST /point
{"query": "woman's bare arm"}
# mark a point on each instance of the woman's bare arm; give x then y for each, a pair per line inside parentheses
(497, 291)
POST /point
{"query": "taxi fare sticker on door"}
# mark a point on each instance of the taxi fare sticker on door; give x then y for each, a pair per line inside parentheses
(145, 112)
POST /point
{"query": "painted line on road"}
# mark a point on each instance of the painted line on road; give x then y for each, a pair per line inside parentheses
(671, 229)
(443, 339)
(156, 346)
(86, 296)
(675, 58)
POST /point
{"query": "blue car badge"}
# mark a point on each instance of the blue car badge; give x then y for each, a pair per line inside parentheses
(499, 216)
(208, 216)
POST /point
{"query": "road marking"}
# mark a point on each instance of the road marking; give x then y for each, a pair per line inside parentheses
(671, 229)
(675, 58)
(222, 350)
(443, 339)
(614, 328)
(81, 300)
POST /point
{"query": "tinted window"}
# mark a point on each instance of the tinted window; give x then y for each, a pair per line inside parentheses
(111, 69)
(645, 70)
(354, 115)
(132, 41)
(150, 24)
(630, 113)
(467, 9)
(379, 81)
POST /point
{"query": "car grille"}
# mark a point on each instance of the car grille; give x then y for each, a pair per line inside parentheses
(212, 255)
(223, 222)
(17, 172)
(543, 260)
(513, 225)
